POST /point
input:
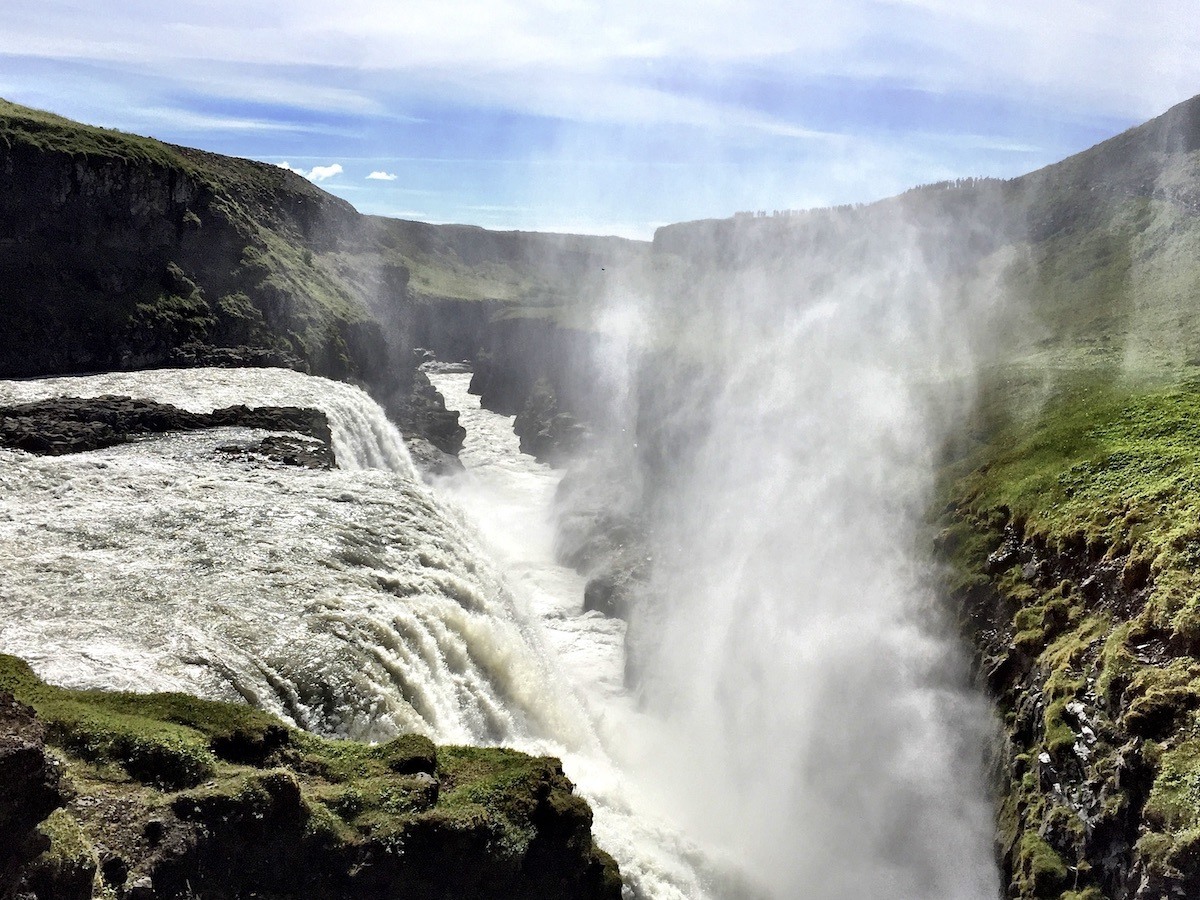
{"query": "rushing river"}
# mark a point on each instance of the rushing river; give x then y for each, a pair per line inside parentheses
(356, 602)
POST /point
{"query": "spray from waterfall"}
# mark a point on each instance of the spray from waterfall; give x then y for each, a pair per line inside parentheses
(789, 413)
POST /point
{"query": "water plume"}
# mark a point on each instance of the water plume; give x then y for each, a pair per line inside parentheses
(818, 716)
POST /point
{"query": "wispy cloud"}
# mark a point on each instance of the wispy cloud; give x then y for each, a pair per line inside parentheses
(674, 108)
(316, 173)
(611, 56)
(188, 121)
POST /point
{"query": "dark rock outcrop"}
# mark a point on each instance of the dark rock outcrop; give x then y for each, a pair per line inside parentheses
(191, 356)
(546, 433)
(72, 425)
(421, 412)
(29, 791)
(601, 534)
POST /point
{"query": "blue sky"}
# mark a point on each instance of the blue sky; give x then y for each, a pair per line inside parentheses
(610, 117)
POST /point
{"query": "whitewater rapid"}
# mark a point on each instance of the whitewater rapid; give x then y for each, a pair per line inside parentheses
(508, 497)
(347, 602)
(357, 602)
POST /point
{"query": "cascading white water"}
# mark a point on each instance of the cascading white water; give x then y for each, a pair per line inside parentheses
(351, 602)
(509, 497)
(363, 438)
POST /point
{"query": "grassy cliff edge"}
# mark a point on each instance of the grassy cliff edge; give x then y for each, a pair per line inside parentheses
(166, 795)
(1072, 531)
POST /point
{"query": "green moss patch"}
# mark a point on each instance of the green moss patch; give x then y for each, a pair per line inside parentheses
(1093, 492)
(246, 779)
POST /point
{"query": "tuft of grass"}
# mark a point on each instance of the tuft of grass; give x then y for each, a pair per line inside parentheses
(1040, 872)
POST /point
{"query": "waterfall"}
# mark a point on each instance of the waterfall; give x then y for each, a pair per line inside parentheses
(363, 438)
(354, 602)
(349, 602)
(508, 496)
(798, 727)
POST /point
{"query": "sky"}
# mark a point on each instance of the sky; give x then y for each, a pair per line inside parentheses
(610, 117)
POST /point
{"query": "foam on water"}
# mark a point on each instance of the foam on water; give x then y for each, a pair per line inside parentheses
(353, 602)
(349, 602)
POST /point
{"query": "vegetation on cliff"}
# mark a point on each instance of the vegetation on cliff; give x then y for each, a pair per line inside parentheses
(166, 795)
(118, 249)
(1071, 522)
(122, 252)
(1073, 529)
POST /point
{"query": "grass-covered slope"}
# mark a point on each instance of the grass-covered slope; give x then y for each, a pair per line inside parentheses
(1094, 256)
(165, 795)
(116, 250)
(1072, 523)
(1073, 533)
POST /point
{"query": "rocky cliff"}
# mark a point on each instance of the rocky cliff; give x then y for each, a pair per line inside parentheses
(166, 796)
(1070, 536)
(121, 252)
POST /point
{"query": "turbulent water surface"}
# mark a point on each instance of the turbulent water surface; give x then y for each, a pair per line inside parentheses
(508, 496)
(794, 717)
(356, 602)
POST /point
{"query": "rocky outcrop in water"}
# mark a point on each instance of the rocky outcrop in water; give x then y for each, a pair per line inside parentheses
(193, 356)
(547, 376)
(149, 797)
(546, 432)
(602, 535)
(72, 425)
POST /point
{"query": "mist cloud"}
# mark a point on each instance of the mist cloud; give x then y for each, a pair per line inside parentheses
(316, 173)
(791, 638)
(381, 176)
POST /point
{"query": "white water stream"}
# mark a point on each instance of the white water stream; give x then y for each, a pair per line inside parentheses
(508, 497)
(353, 602)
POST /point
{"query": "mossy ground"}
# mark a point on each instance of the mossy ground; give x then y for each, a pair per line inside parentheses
(1097, 623)
(47, 131)
(137, 756)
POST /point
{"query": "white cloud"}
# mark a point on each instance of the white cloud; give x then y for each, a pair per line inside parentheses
(1099, 56)
(321, 173)
(316, 173)
(381, 176)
